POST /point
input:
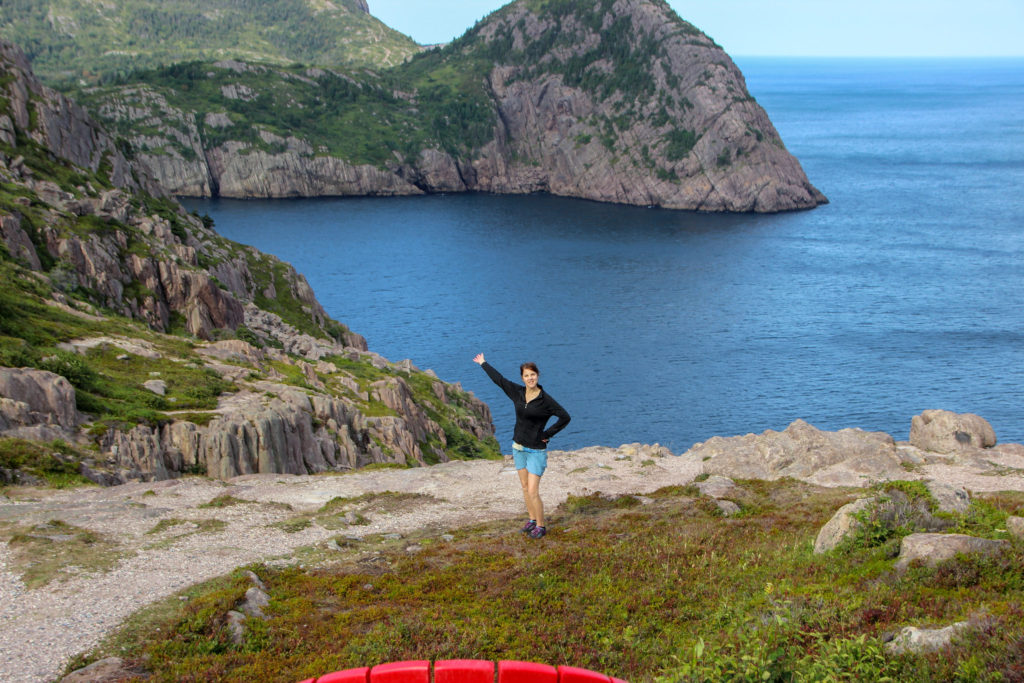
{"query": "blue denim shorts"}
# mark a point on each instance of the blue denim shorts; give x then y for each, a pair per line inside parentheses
(532, 460)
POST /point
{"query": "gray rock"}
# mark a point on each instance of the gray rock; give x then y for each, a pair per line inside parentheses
(64, 127)
(1015, 526)
(931, 549)
(157, 386)
(36, 397)
(918, 640)
(19, 245)
(716, 486)
(727, 507)
(942, 431)
(953, 499)
(109, 670)
(255, 600)
(256, 581)
(843, 523)
(849, 457)
(236, 627)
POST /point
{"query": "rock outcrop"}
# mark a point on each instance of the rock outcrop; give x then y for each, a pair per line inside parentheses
(278, 428)
(848, 457)
(36, 397)
(615, 101)
(60, 125)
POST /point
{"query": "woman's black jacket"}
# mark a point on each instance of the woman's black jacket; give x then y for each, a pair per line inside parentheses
(530, 417)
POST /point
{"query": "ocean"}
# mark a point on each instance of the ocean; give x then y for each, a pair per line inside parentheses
(905, 293)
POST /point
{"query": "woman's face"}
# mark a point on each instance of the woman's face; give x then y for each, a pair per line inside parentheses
(530, 378)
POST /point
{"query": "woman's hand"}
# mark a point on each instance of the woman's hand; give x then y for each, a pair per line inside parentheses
(479, 359)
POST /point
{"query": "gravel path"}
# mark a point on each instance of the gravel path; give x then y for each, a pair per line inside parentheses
(41, 629)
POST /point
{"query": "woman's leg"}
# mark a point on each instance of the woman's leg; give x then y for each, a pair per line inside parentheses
(524, 480)
(532, 492)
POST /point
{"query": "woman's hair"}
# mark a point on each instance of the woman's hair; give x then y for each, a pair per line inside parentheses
(528, 366)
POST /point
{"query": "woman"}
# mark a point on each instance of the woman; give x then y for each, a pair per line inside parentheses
(529, 438)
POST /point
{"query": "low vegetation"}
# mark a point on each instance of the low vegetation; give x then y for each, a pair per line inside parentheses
(55, 551)
(53, 464)
(341, 513)
(664, 589)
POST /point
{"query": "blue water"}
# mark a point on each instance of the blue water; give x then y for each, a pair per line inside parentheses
(906, 292)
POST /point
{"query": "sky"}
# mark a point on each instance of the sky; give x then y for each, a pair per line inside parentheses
(792, 28)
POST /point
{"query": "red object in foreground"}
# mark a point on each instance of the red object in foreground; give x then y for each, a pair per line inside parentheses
(465, 671)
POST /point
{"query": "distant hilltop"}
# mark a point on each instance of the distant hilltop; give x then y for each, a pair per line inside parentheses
(610, 101)
(94, 41)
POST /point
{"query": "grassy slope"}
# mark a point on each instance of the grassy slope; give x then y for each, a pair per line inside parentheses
(72, 39)
(667, 591)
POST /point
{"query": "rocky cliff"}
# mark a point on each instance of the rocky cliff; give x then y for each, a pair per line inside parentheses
(613, 100)
(147, 345)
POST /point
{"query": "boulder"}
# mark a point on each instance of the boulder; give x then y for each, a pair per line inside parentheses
(717, 486)
(931, 549)
(917, 640)
(157, 386)
(109, 670)
(892, 509)
(36, 397)
(843, 523)
(849, 457)
(727, 507)
(950, 498)
(942, 431)
(1015, 526)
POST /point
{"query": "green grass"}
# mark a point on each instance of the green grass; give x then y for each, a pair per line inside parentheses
(667, 591)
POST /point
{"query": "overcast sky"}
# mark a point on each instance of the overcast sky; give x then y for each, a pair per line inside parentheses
(841, 28)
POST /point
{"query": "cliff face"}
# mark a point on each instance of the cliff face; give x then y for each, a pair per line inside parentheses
(150, 346)
(628, 104)
(614, 100)
(60, 125)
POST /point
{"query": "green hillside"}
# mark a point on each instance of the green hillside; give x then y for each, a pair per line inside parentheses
(70, 39)
(360, 116)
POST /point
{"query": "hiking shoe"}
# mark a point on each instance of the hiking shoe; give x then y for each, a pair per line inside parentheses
(529, 526)
(538, 531)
